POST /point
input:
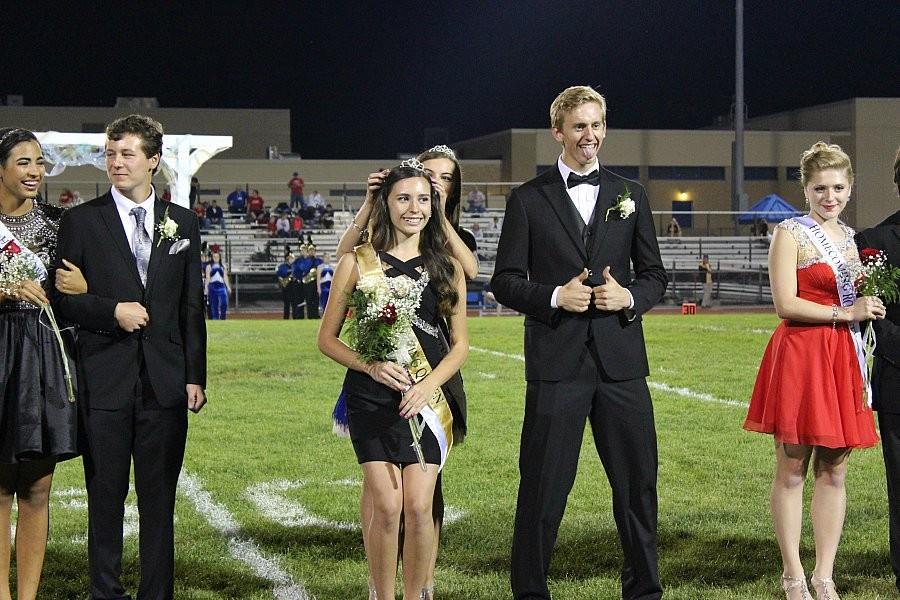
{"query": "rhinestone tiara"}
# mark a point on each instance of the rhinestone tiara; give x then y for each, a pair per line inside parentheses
(413, 163)
(444, 150)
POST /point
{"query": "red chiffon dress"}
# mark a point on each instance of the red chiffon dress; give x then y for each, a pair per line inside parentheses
(809, 389)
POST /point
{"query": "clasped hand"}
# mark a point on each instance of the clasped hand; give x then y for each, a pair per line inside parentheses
(575, 296)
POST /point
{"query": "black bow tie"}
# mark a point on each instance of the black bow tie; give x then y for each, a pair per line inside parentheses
(574, 179)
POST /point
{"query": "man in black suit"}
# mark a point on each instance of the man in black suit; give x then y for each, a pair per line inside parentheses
(567, 239)
(886, 372)
(141, 351)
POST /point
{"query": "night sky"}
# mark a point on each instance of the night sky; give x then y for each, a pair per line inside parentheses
(365, 82)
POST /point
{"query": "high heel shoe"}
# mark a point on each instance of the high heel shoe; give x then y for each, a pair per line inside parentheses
(427, 593)
(373, 595)
(824, 587)
(788, 584)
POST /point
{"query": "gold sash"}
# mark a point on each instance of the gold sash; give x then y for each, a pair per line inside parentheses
(437, 414)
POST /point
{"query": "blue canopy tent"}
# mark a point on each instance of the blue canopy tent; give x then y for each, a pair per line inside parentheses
(773, 208)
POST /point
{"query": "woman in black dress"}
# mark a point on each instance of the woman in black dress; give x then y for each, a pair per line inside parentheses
(443, 168)
(37, 420)
(408, 233)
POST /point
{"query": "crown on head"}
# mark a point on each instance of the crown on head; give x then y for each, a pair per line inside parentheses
(413, 163)
(444, 150)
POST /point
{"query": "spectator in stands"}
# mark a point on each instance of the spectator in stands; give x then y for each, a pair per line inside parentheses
(283, 226)
(673, 229)
(296, 186)
(476, 201)
(317, 202)
(215, 215)
(65, 198)
(495, 225)
(810, 393)
(297, 226)
(76, 199)
(707, 271)
(167, 194)
(218, 286)
(256, 206)
(287, 285)
(762, 227)
(282, 208)
(194, 193)
(328, 217)
(477, 233)
(200, 211)
(272, 226)
(237, 201)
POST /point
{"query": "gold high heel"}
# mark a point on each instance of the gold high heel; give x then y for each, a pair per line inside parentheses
(788, 584)
(821, 586)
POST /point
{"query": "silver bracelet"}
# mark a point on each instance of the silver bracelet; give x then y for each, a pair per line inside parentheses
(356, 226)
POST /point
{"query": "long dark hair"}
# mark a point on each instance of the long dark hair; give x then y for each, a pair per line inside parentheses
(453, 205)
(10, 137)
(432, 241)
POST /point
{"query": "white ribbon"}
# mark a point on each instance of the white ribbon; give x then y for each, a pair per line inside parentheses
(6, 237)
(845, 288)
(434, 423)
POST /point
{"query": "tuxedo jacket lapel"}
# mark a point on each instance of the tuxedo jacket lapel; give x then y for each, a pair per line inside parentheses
(117, 235)
(554, 188)
(605, 199)
(159, 208)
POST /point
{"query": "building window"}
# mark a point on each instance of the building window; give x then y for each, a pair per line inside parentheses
(692, 173)
(792, 173)
(761, 173)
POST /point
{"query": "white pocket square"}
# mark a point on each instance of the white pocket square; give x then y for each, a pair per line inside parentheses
(180, 246)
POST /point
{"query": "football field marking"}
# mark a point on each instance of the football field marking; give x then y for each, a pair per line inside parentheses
(271, 500)
(240, 547)
(663, 387)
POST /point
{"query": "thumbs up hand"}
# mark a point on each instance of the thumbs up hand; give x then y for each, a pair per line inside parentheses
(609, 295)
(575, 296)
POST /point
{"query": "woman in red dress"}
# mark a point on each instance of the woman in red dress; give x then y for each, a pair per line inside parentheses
(809, 392)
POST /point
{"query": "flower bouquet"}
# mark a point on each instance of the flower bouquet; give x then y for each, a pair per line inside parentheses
(17, 267)
(876, 278)
(379, 326)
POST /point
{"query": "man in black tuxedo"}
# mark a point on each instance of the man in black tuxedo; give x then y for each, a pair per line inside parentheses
(567, 239)
(141, 351)
(886, 372)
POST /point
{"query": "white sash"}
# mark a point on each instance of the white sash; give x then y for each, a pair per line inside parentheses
(845, 288)
(6, 237)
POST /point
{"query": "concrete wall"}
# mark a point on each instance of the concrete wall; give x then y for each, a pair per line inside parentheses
(253, 130)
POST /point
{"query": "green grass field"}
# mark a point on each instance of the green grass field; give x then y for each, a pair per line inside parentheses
(270, 496)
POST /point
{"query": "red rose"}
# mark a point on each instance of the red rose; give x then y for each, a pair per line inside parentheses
(389, 314)
(869, 253)
(12, 248)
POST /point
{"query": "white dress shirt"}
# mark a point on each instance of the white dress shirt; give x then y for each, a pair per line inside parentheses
(584, 197)
(124, 206)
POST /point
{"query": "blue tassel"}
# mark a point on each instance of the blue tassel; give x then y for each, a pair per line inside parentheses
(340, 418)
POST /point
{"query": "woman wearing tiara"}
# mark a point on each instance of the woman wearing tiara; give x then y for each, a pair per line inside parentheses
(38, 420)
(408, 234)
(810, 391)
(442, 166)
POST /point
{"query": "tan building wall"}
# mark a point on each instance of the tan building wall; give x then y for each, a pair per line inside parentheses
(253, 130)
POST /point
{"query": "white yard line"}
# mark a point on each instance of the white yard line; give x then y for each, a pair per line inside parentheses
(240, 547)
(663, 387)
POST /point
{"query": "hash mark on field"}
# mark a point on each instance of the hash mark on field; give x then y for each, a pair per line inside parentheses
(241, 548)
(663, 387)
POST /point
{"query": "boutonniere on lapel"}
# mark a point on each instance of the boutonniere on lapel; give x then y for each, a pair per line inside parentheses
(167, 228)
(624, 205)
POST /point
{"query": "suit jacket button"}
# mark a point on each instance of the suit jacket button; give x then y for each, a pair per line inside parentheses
(146, 336)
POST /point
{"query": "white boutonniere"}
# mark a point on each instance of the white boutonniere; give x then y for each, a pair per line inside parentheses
(167, 228)
(624, 204)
